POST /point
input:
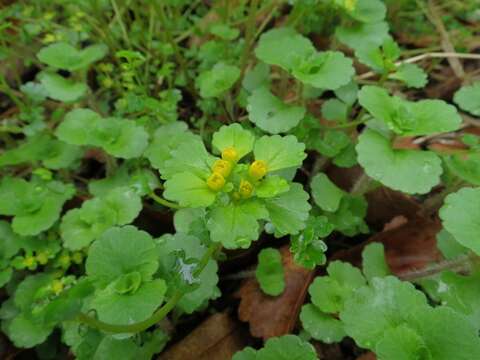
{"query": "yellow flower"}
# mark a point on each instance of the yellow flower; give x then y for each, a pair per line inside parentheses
(30, 262)
(49, 38)
(222, 167)
(350, 4)
(230, 154)
(57, 286)
(77, 257)
(257, 169)
(246, 189)
(42, 257)
(216, 181)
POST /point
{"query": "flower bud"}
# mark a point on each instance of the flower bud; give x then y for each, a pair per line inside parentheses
(246, 189)
(222, 167)
(230, 154)
(57, 286)
(216, 181)
(257, 169)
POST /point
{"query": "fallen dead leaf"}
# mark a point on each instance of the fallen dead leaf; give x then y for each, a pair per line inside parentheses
(275, 316)
(367, 356)
(217, 338)
(409, 247)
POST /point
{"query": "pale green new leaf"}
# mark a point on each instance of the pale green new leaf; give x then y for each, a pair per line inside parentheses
(271, 114)
(279, 152)
(189, 157)
(233, 136)
(189, 190)
(288, 212)
(236, 225)
(410, 171)
(271, 186)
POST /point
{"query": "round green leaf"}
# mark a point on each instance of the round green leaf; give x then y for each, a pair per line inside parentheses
(269, 272)
(325, 70)
(270, 114)
(410, 171)
(279, 152)
(468, 98)
(321, 326)
(459, 217)
(120, 251)
(233, 136)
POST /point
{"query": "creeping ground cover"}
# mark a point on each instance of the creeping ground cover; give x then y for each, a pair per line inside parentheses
(240, 179)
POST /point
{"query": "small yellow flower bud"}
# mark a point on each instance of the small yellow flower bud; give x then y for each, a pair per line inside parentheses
(57, 286)
(30, 262)
(350, 5)
(230, 154)
(77, 257)
(222, 167)
(246, 189)
(258, 169)
(216, 181)
(42, 257)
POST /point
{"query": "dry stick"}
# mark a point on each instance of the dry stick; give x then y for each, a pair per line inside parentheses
(460, 264)
(430, 55)
(447, 46)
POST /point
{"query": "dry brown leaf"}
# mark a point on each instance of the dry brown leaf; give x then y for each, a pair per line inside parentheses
(217, 338)
(275, 316)
(408, 247)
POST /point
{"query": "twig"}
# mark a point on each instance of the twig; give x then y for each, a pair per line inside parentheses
(430, 55)
(447, 46)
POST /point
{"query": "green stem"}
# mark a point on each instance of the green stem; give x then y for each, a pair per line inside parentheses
(120, 21)
(159, 314)
(249, 36)
(164, 202)
(347, 125)
(11, 129)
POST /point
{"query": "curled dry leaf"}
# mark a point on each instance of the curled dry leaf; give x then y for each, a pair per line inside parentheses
(275, 316)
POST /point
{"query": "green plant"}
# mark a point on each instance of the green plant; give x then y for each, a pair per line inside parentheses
(149, 142)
